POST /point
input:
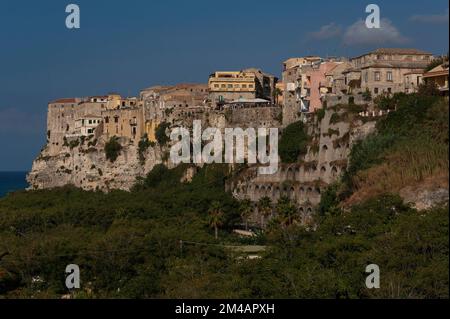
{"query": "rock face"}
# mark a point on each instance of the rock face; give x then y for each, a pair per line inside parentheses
(82, 161)
(430, 193)
(86, 166)
(324, 162)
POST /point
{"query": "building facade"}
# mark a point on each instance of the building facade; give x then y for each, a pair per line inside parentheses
(385, 70)
(438, 76)
(229, 86)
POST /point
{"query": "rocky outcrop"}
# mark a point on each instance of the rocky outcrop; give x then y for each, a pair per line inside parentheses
(86, 166)
(325, 161)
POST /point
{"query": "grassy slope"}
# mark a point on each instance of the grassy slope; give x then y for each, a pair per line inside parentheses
(410, 149)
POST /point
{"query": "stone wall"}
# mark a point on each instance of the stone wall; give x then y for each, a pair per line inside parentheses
(304, 181)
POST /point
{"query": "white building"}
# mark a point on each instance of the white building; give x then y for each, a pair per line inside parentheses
(87, 125)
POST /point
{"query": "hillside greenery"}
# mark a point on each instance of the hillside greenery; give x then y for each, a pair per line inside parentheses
(293, 142)
(409, 148)
(160, 240)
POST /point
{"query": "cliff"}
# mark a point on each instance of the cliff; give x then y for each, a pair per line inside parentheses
(85, 166)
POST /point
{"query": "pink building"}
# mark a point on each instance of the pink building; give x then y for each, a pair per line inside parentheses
(314, 84)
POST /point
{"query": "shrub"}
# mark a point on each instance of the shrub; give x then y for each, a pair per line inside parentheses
(335, 118)
(367, 95)
(160, 133)
(112, 148)
(320, 113)
(428, 89)
(74, 143)
(293, 143)
(144, 144)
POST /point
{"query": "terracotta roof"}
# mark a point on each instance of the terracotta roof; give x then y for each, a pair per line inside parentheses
(66, 100)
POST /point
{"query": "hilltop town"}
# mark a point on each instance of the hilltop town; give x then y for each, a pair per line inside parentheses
(313, 90)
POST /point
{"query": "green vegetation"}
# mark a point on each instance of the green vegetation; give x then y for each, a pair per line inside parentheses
(335, 118)
(168, 239)
(113, 148)
(160, 133)
(411, 146)
(144, 144)
(367, 95)
(162, 241)
(293, 142)
(320, 113)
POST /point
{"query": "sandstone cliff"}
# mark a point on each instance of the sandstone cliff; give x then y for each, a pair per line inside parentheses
(86, 166)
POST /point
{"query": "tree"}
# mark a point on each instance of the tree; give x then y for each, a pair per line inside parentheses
(265, 208)
(160, 133)
(294, 142)
(215, 217)
(287, 211)
(367, 95)
(429, 88)
(112, 148)
(245, 210)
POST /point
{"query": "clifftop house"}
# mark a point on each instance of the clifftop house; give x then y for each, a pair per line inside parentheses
(248, 84)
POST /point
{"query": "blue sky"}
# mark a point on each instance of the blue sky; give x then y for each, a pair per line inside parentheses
(125, 46)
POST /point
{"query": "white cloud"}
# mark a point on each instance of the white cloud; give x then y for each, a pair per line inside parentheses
(326, 32)
(431, 18)
(359, 34)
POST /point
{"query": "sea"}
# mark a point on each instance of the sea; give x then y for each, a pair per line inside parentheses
(12, 181)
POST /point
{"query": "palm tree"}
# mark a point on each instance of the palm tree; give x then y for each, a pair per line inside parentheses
(215, 217)
(265, 208)
(245, 209)
(287, 211)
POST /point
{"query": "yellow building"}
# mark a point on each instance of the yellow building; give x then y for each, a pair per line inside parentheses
(225, 86)
(124, 122)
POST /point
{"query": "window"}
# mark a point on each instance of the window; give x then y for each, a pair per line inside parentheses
(366, 76)
(223, 86)
(250, 86)
(90, 121)
(375, 90)
(216, 85)
(389, 90)
(107, 119)
(377, 76)
(230, 86)
(116, 119)
(389, 76)
(244, 86)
